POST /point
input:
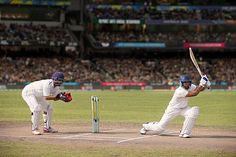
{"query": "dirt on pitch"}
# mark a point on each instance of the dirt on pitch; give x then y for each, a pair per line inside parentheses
(124, 134)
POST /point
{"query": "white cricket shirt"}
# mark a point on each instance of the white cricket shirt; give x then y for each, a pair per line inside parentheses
(179, 99)
(41, 88)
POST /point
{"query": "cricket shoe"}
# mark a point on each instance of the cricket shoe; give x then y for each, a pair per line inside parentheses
(150, 125)
(146, 127)
(49, 130)
(184, 136)
(143, 131)
(36, 132)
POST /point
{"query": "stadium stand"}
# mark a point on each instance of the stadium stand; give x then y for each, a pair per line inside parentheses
(161, 71)
(129, 41)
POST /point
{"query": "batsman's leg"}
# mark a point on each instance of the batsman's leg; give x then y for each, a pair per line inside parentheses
(151, 126)
(190, 118)
(159, 127)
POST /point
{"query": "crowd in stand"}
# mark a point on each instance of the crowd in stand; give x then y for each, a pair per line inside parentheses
(154, 14)
(154, 70)
(162, 2)
(34, 35)
(151, 13)
(161, 71)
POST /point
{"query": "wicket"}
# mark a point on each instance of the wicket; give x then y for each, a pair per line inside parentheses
(95, 114)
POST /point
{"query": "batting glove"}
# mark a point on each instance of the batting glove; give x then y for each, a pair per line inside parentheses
(205, 77)
(203, 81)
(208, 84)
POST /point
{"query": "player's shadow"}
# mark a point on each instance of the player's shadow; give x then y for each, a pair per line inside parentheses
(176, 134)
(204, 136)
(215, 136)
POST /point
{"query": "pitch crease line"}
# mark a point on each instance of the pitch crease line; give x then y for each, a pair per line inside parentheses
(74, 136)
(107, 137)
(112, 130)
(136, 138)
(81, 135)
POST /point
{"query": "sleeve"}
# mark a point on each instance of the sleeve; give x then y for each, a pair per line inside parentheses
(181, 93)
(46, 89)
(193, 86)
(57, 91)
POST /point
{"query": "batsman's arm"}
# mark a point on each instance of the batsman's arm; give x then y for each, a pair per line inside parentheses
(196, 91)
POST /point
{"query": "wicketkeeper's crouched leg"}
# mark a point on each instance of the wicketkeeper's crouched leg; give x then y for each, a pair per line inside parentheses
(35, 119)
(47, 119)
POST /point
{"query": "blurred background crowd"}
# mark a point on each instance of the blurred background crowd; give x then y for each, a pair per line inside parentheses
(161, 71)
(117, 41)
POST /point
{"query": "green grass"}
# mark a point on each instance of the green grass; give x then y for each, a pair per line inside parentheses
(217, 110)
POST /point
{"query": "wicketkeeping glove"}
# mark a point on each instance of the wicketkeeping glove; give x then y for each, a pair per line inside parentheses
(64, 96)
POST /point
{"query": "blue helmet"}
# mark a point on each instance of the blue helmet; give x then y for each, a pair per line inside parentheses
(58, 78)
(185, 78)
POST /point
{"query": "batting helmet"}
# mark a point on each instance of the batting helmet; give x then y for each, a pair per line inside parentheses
(185, 78)
(58, 78)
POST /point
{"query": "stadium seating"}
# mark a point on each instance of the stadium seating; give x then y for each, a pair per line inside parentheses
(161, 71)
(34, 51)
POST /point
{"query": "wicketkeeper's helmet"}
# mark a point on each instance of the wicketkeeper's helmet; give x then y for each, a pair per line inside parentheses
(185, 78)
(58, 78)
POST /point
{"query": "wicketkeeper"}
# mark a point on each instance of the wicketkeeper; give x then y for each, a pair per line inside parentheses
(37, 94)
(178, 105)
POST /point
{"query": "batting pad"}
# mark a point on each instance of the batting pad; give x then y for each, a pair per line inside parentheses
(190, 120)
(188, 126)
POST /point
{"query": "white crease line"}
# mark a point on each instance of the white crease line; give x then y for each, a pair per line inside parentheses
(113, 130)
(74, 136)
(80, 135)
(33, 136)
(56, 137)
(94, 139)
(90, 138)
(136, 138)
(114, 137)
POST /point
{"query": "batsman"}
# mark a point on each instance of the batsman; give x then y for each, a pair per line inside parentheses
(37, 95)
(178, 105)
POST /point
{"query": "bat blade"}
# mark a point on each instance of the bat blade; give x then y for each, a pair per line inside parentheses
(195, 61)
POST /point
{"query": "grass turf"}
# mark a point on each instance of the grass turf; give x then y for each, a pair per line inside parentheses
(217, 110)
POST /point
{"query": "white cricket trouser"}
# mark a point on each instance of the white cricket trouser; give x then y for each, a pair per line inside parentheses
(36, 105)
(190, 114)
